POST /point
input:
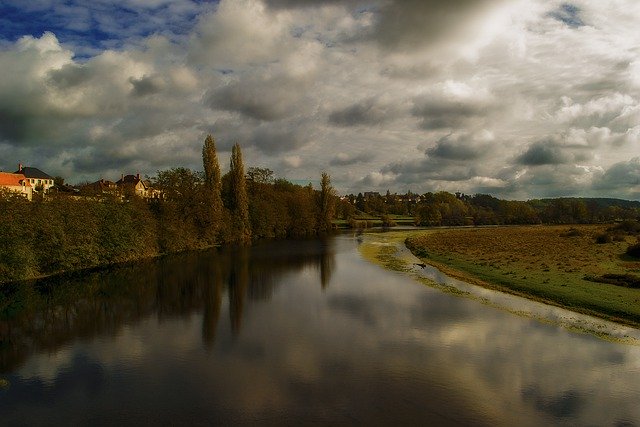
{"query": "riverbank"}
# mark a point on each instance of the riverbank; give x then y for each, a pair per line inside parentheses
(550, 264)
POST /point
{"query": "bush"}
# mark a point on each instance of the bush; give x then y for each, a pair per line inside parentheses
(617, 237)
(634, 250)
(625, 280)
(572, 232)
(603, 238)
(627, 227)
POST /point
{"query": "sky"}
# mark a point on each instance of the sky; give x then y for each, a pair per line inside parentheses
(519, 99)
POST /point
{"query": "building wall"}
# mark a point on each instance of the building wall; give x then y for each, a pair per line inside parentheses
(46, 183)
(22, 189)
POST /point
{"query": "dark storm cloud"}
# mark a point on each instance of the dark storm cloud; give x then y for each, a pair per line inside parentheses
(621, 175)
(274, 140)
(265, 99)
(290, 4)
(146, 85)
(405, 24)
(418, 171)
(19, 127)
(343, 159)
(458, 147)
(367, 112)
(445, 114)
(14, 125)
(70, 75)
(543, 153)
(568, 14)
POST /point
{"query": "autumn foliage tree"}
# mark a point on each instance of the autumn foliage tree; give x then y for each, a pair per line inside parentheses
(326, 202)
(238, 198)
(213, 188)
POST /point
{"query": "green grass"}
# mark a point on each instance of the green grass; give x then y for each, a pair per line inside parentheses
(541, 263)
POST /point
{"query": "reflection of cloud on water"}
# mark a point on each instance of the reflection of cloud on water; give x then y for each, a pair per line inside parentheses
(46, 366)
(565, 405)
(413, 353)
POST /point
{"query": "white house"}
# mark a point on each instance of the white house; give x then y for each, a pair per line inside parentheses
(36, 177)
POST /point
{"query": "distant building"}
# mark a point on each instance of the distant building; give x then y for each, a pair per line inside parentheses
(371, 194)
(37, 178)
(17, 183)
(133, 184)
(100, 187)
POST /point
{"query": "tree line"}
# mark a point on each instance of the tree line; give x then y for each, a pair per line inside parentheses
(447, 209)
(198, 209)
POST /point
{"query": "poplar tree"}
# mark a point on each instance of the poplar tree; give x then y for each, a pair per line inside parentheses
(239, 198)
(326, 204)
(213, 183)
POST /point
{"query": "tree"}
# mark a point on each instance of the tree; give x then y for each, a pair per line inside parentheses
(182, 213)
(326, 204)
(260, 175)
(239, 205)
(213, 187)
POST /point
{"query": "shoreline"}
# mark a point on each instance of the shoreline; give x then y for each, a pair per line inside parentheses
(392, 259)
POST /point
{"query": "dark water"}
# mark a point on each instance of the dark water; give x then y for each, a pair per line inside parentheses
(294, 333)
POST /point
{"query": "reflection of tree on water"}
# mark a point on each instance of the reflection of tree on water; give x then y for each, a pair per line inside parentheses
(46, 315)
(327, 263)
(212, 300)
(238, 283)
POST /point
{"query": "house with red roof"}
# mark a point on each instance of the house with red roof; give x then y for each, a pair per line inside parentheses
(16, 182)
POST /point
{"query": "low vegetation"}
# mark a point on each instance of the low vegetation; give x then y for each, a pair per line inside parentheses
(559, 265)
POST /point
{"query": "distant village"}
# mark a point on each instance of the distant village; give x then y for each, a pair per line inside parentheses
(29, 181)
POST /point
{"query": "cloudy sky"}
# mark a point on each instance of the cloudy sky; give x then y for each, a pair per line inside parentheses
(515, 98)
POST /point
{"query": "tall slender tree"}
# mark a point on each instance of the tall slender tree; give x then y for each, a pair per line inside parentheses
(238, 197)
(326, 204)
(213, 186)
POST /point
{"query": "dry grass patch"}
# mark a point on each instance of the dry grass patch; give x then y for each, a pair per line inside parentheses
(548, 263)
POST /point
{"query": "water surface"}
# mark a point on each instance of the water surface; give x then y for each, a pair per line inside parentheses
(295, 332)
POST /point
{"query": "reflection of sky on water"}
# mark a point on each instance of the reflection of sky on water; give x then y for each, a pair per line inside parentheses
(369, 347)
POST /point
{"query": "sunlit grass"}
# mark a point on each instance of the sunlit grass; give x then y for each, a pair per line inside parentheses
(544, 263)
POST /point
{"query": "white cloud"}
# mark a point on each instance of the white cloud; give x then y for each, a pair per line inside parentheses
(490, 87)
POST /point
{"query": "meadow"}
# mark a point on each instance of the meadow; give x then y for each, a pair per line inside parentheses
(584, 268)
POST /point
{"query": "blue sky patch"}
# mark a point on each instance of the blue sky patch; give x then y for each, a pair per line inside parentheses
(568, 14)
(92, 27)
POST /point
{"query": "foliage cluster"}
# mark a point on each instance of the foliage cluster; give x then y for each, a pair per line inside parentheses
(617, 232)
(66, 232)
(41, 238)
(446, 209)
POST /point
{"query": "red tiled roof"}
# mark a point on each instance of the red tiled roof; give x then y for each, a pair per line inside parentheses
(13, 179)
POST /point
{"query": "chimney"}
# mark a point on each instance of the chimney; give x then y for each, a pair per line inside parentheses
(138, 176)
(122, 177)
(19, 167)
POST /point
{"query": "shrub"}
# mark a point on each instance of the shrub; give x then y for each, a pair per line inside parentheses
(634, 250)
(572, 232)
(627, 227)
(617, 237)
(603, 238)
(625, 280)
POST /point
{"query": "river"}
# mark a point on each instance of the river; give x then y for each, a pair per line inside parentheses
(295, 333)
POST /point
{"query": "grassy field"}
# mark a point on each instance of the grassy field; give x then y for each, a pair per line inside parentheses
(547, 263)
